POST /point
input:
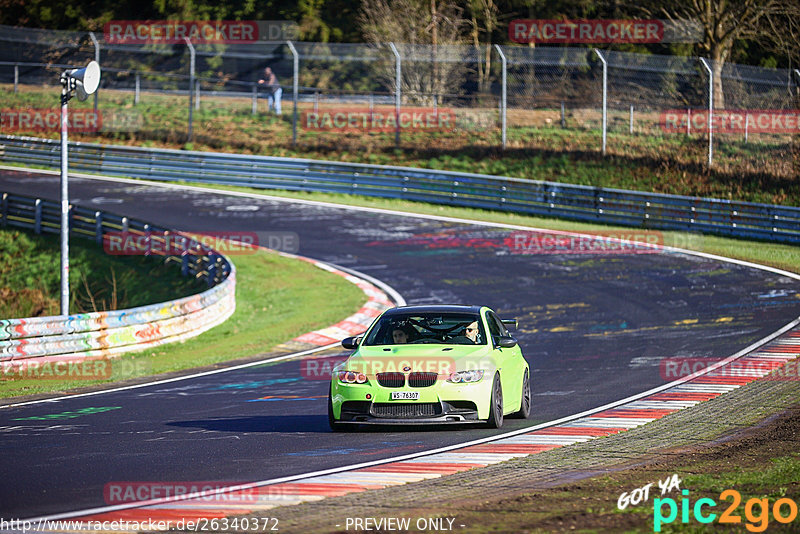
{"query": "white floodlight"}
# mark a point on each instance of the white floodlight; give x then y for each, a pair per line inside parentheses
(87, 79)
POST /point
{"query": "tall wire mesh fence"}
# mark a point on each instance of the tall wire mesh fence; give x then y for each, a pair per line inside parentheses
(657, 102)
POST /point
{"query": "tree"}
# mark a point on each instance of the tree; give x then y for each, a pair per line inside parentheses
(487, 11)
(436, 26)
(724, 22)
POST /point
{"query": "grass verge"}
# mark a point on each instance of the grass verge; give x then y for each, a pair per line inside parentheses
(273, 297)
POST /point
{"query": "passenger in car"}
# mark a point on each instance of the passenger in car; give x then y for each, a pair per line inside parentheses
(471, 331)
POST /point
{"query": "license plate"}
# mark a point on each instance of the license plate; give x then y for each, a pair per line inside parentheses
(405, 395)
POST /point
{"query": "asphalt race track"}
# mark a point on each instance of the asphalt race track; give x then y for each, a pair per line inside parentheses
(594, 328)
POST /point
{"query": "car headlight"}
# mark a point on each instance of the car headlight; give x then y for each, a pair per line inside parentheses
(352, 377)
(466, 376)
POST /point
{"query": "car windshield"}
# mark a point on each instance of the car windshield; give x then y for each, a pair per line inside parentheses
(421, 328)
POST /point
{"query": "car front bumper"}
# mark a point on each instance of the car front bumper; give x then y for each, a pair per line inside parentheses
(443, 402)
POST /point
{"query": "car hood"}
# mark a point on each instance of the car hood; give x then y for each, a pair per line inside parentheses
(442, 359)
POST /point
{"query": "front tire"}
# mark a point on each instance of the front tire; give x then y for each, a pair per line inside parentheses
(335, 426)
(496, 404)
(525, 401)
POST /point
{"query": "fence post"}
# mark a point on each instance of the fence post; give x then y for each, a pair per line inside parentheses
(631, 121)
(136, 91)
(254, 105)
(605, 96)
(191, 86)
(797, 89)
(503, 101)
(96, 58)
(710, 119)
(211, 270)
(37, 216)
(295, 87)
(563, 115)
(98, 227)
(746, 126)
(197, 94)
(16, 78)
(397, 73)
(688, 122)
(4, 210)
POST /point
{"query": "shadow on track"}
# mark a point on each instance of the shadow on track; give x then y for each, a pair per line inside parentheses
(279, 423)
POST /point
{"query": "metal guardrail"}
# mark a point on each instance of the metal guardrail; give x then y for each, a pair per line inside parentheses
(594, 204)
(103, 334)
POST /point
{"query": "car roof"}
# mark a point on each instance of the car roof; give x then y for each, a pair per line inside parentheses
(434, 308)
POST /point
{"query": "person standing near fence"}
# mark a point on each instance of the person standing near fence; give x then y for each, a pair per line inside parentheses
(274, 91)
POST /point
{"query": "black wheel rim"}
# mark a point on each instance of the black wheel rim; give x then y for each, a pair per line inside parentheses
(498, 401)
(526, 394)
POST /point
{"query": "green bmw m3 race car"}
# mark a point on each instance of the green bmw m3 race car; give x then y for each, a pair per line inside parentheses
(431, 365)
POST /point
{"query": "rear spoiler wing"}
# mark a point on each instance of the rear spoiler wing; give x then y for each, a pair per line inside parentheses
(512, 323)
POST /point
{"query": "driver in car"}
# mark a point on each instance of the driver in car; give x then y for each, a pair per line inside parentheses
(399, 336)
(402, 335)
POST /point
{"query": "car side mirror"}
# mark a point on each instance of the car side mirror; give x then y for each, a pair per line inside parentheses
(506, 342)
(351, 342)
(511, 323)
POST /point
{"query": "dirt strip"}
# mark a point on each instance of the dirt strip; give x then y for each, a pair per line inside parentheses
(577, 487)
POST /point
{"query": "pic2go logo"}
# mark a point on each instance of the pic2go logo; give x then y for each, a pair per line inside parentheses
(756, 511)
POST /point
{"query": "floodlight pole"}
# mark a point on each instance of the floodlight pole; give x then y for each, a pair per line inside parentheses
(65, 95)
(85, 81)
(96, 58)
